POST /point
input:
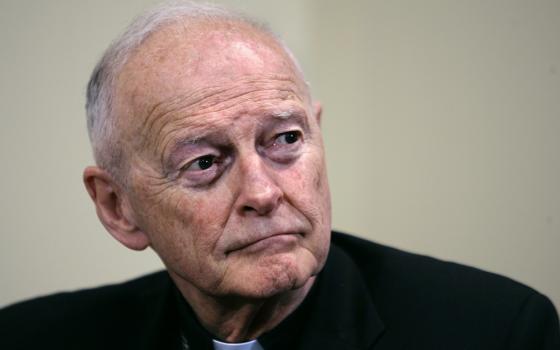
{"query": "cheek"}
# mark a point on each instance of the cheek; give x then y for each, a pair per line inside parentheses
(183, 229)
(307, 187)
(168, 226)
(203, 215)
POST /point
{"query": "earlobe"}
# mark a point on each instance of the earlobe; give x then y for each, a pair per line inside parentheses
(112, 208)
(317, 111)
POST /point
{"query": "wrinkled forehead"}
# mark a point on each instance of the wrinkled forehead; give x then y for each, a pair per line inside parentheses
(188, 58)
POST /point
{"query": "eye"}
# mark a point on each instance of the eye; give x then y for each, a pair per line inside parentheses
(202, 163)
(285, 146)
(287, 138)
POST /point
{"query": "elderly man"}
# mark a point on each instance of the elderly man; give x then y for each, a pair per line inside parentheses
(209, 151)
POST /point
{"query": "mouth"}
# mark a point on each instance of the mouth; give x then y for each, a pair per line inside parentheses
(275, 242)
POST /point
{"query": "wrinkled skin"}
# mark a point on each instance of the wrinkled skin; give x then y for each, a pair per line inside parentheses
(227, 176)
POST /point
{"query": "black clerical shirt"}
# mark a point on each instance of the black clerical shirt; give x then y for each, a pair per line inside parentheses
(368, 296)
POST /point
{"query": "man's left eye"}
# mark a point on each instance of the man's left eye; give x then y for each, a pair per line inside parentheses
(288, 137)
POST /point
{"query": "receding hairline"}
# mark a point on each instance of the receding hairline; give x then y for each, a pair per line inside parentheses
(193, 33)
(195, 18)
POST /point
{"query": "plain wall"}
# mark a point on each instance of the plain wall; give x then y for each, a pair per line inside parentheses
(441, 121)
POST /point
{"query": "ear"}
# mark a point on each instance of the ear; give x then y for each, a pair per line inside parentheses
(317, 111)
(112, 208)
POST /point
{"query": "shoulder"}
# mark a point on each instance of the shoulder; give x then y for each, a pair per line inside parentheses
(77, 303)
(70, 316)
(420, 293)
(380, 263)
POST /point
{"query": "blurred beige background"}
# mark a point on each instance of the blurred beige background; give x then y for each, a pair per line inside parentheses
(442, 126)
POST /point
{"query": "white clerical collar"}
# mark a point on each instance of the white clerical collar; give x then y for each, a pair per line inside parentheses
(250, 345)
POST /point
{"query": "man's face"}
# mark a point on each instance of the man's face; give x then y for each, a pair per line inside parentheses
(227, 171)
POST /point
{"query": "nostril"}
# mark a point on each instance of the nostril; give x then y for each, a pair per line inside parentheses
(262, 208)
(248, 208)
(261, 203)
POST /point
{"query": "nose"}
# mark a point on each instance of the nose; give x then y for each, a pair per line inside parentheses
(259, 193)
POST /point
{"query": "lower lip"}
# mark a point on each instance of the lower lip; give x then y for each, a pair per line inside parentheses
(272, 244)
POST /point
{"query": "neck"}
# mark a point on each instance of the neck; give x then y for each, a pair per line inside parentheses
(237, 319)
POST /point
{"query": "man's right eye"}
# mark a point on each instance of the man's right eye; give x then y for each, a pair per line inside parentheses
(204, 170)
(202, 163)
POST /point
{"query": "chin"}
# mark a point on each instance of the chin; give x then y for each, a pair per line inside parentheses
(281, 275)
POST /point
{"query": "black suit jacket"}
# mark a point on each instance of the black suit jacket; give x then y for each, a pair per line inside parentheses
(368, 296)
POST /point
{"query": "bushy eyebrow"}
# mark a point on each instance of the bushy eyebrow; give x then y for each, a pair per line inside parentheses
(283, 114)
(296, 114)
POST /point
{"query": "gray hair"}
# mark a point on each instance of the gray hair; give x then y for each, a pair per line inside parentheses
(106, 143)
